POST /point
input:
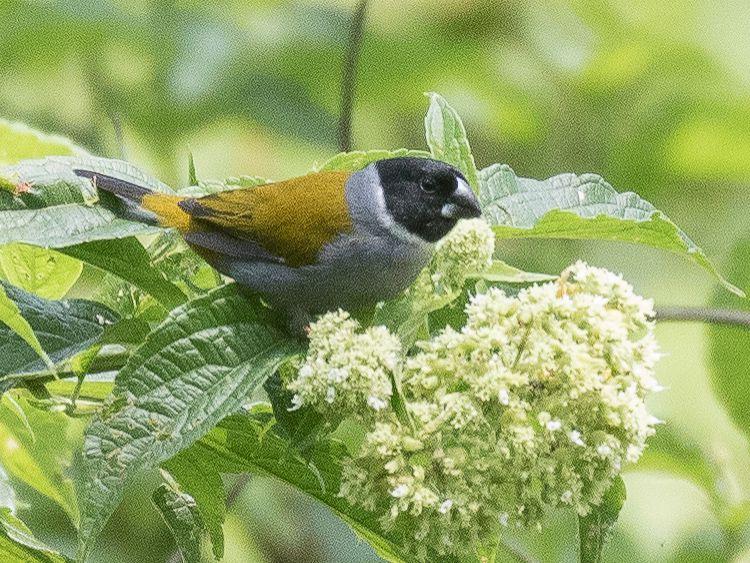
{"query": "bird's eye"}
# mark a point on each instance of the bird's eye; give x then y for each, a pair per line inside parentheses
(428, 185)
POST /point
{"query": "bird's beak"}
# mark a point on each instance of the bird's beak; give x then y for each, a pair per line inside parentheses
(463, 204)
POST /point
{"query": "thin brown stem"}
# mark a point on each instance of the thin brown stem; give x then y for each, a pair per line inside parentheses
(349, 75)
(727, 317)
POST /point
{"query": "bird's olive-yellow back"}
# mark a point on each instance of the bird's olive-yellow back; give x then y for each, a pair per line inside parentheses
(292, 219)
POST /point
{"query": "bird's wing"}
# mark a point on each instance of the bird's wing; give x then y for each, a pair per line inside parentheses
(292, 219)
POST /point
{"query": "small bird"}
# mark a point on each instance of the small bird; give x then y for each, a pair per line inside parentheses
(318, 242)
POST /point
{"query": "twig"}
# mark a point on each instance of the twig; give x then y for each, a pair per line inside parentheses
(349, 75)
(107, 361)
(729, 317)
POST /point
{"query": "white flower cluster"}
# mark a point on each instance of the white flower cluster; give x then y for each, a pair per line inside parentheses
(345, 368)
(536, 402)
(467, 249)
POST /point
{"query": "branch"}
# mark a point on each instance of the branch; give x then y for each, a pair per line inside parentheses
(349, 76)
(728, 317)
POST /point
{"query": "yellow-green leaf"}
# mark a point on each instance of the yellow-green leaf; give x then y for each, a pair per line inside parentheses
(40, 271)
(447, 139)
(19, 142)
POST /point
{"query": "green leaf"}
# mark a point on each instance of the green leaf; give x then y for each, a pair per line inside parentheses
(18, 544)
(500, 272)
(181, 515)
(581, 207)
(56, 207)
(9, 401)
(198, 477)
(241, 443)
(357, 160)
(301, 426)
(7, 495)
(674, 452)
(127, 259)
(447, 140)
(66, 225)
(192, 176)
(407, 315)
(595, 528)
(43, 460)
(43, 272)
(96, 387)
(728, 347)
(206, 187)
(198, 366)
(19, 142)
(14, 324)
(64, 328)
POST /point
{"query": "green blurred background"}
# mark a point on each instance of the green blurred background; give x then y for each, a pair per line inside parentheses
(654, 95)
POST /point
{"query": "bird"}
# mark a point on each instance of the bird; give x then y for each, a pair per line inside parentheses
(318, 242)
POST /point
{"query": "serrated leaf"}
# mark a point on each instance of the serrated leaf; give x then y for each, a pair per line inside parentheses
(595, 528)
(127, 259)
(179, 511)
(197, 367)
(729, 360)
(18, 544)
(13, 324)
(66, 225)
(56, 207)
(43, 272)
(19, 142)
(242, 444)
(206, 187)
(582, 207)
(447, 139)
(63, 328)
(357, 160)
(41, 461)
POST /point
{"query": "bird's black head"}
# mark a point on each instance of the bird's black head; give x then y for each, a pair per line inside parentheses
(424, 196)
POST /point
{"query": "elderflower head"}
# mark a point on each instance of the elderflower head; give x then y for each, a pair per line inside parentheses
(467, 249)
(537, 402)
(345, 369)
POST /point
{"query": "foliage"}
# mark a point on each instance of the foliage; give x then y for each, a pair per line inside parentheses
(729, 358)
(194, 369)
(595, 527)
(181, 515)
(191, 355)
(64, 329)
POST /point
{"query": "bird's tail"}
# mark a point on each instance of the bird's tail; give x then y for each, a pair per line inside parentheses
(141, 204)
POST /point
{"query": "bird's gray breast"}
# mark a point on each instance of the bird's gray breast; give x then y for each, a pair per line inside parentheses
(355, 271)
